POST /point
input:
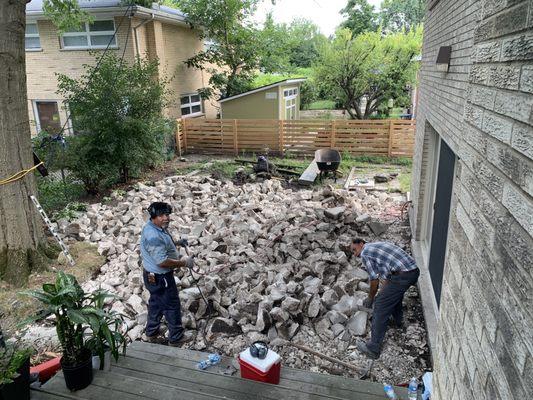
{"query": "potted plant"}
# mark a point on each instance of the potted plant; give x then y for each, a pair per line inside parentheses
(66, 300)
(14, 371)
(106, 339)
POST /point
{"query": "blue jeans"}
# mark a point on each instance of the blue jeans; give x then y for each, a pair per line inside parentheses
(387, 303)
(164, 300)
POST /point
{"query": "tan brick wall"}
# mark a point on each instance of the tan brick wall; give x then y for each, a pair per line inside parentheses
(172, 43)
(182, 43)
(42, 66)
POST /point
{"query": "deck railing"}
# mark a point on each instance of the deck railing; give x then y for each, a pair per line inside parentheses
(391, 138)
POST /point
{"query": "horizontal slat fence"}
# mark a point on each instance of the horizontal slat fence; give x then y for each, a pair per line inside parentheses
(392, 138)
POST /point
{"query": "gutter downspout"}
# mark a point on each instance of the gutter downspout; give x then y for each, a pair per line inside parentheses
(136, 36)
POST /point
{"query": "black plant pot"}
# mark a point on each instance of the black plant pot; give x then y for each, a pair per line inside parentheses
(80, 375)
(19, 389)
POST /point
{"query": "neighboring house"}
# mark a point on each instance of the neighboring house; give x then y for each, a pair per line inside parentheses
(280, 100)
(472, 215)
(159, 32)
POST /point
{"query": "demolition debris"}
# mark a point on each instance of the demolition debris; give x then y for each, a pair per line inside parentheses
(273, 263)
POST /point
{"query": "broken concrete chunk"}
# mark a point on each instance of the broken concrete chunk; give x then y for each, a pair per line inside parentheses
(377, 228)
(357, 323)
(335, 213)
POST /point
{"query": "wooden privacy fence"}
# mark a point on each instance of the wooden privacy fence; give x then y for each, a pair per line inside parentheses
(392, 138)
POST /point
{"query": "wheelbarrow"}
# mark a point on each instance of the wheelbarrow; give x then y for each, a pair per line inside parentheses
(327, 161)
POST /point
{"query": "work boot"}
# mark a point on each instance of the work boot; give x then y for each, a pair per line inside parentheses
(363, 348)
(185, 338)
(394, 325)
(156, 339)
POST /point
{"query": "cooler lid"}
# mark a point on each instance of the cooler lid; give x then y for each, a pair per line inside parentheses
(262, 365)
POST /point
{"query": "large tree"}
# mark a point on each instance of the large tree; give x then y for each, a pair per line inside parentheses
(360, 17)
(285, 47)
(233, 54)
(22, 240)
(398, 15)
(364, 72)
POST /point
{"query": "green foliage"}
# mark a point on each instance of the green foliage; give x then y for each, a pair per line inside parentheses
(55, 194)
(360, 17)
(117, 116)
(106, 330)
(322, 105)
(368, 67)
(70, 212)
(75, 312)
(12, 357)
(285, 47)
(232, 55)
(399, 15)
(65, 14)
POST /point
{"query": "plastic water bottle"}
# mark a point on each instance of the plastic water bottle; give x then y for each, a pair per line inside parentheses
(389, 391)
(412, 391)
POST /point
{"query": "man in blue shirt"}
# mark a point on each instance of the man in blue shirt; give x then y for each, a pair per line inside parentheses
(160, 257)
(398, 271)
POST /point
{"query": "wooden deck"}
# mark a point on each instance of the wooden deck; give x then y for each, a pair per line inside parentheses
(150, 371)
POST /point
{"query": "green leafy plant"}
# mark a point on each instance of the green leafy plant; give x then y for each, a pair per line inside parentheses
(117, 118)
(106, 333)
(70, 211)
(12, 357)
(74, 311)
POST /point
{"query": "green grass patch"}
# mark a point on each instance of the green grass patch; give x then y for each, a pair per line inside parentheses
(405, 181)
(322, 105)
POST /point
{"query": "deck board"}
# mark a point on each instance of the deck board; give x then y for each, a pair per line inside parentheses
(150, 371)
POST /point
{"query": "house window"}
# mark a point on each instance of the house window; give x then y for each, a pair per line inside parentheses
(33, 42)
(289, 96)
(47, 116)
(191, 104)
(95, 35)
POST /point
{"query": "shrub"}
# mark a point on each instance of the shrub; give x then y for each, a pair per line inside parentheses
(57, 194)
(117, 118)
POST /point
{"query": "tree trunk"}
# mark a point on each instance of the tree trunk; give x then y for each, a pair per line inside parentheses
(21, 233)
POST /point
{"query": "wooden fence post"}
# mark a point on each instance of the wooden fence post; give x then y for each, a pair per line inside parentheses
(184, 130)
(391, 126)
(333, 126)
(281, 138)
(178, 136)
(235, 138)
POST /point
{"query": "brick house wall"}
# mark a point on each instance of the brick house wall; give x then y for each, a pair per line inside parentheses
(483, 109)
(154, 39)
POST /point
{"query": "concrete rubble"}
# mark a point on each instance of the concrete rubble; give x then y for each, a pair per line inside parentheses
(274, 262)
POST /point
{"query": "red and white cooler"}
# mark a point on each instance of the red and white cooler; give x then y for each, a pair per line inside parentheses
(266, 370)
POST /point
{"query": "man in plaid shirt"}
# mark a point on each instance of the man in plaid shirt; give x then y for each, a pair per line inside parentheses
(398, 272)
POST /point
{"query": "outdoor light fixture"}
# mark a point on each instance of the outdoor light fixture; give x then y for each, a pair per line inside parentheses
(443, 58)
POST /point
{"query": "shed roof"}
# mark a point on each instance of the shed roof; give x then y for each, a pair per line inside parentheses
(285, 81)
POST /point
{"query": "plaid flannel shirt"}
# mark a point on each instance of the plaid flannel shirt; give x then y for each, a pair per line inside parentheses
(382, 258)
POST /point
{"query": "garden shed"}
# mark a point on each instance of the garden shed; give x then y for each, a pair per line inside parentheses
(279, 100)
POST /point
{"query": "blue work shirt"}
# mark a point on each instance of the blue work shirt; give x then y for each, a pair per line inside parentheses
(156, 247)
(382, 259)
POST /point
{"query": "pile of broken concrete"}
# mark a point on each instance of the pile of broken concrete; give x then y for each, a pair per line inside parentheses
(272, 262)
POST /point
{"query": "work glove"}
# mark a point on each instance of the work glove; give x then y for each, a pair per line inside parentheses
(189, 262)
(182, 243)
(367, 303)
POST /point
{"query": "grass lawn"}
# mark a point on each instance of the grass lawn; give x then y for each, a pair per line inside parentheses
(322, 105)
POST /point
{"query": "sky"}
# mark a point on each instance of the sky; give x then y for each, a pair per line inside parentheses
(324, 13)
